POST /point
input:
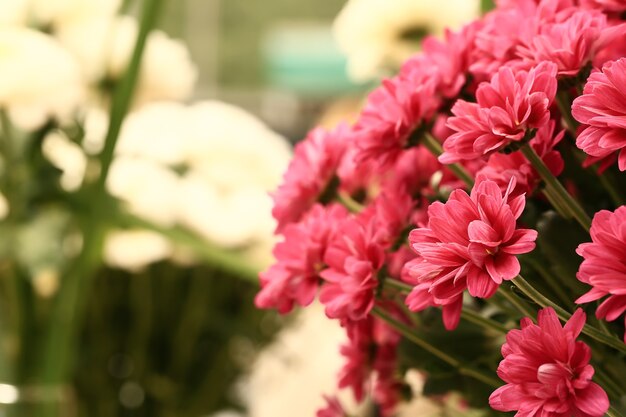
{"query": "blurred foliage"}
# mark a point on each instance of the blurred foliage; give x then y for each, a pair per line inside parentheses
(169, 341)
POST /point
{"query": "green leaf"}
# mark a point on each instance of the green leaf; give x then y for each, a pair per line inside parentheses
(486, 5)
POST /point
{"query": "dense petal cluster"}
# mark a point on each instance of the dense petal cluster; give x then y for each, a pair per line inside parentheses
(604, 264)
(547, 370)
(392, 112)
(502, 167)
(506, 108)
(602, 111)
(371, 359)
(295, 276)
(311, 170)
(471, 242)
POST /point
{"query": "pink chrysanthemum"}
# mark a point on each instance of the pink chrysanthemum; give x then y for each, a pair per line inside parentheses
(604, 265)
(502, 167)
(371, 362)
(547, 371)
(602, 108)
(295, 276)
(507, 107)
(312, 168)
(392, 112)
(357, 253)
(615, 6)
(570, 43)
(470, 242)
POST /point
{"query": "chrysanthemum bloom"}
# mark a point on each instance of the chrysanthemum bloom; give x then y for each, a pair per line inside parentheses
(295, 276)
(502, 167)
(312, 168)
(602, 108)
(571, 43)
(547, 371)
(357, 253)
(604, 265)
(507, 107)
(392, 112)
(470, 242)
(371, 362)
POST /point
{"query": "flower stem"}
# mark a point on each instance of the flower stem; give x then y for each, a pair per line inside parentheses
(515, 301)
(612, 412)
(348, 202)
(409, 334)
(434, 146)
(555, 189)
(563, 102)
(398, 285)
(589, 330)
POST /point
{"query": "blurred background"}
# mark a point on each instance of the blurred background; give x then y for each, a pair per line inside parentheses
(128, 272)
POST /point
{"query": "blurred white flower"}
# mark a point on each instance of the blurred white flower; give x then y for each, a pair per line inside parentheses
(148, 188)
(104, 45)
(4, 207)
(378, 34)
(13, 12)
(68, 157)
(60, 12)
(305, 354)
(134, 249)
(39, 79)
(207, 167)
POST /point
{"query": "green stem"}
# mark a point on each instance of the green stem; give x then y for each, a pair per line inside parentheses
(543, 301)
(213, 254)
(607, 181)
(398, 285)
(409, 334)
(488, 324)
(550, 280)
(434, 146)
(125, 90)
(612, 412)
(519, 304)
(563, 102)
(555, 188)
(349, 203)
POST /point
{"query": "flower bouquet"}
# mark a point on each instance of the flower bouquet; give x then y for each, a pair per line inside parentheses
(471, 223)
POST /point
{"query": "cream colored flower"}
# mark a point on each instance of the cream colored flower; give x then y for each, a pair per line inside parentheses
(39, 79)
(135, 249)
(68, 157)
(290, 376)
(207, 167)
(379, 34)
(104, 45)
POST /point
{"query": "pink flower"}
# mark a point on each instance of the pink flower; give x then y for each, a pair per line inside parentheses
(604, 265)
(371, 355)
(311, 170)
(354, 259)
(333, 408)
(506, 108)
(470, 242)
(392, 112)
(602, 108)
(295, 276)
(357, 253)
(502, 167)
(570, 43)
(547, 371)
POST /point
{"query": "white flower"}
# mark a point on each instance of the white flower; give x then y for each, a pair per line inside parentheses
(39, 79)
(290, 376)
(135, 249)
(147, 187)
(371, 32)
(13, 12)
(68, 157)
(207, 167)
(104, 47)
(61, 12)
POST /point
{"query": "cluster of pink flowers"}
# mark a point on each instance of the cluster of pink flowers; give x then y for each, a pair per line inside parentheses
(375, 202)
